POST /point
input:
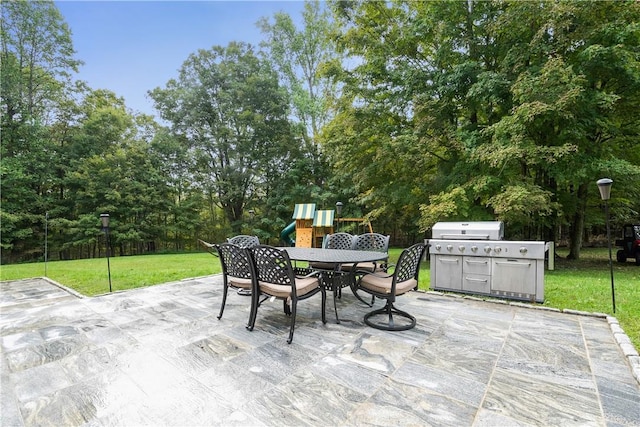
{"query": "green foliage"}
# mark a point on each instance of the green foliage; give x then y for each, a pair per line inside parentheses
(231, 113)
(298, 55)
(522, 204)
(506, 121)
(408, 112)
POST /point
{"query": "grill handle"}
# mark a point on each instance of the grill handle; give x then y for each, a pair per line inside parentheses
(465, 236)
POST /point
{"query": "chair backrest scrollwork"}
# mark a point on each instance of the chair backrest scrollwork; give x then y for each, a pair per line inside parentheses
(272, 265)
(371, 242)
(244, 241)
(234, 260)
(339, 241)
(409, 263)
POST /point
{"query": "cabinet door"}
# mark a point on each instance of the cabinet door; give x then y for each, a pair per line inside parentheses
(446, 272)
(514, 278)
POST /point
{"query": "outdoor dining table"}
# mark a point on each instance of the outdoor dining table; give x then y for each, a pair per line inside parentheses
(334, 278)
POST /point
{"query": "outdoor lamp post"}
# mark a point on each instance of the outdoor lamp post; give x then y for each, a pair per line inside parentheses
(46, 243)
(105, 227)
(604, 185)
(339, 212)
(252, 215)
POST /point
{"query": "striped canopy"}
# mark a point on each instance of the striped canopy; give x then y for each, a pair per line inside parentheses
(323, 218)
(304, 211)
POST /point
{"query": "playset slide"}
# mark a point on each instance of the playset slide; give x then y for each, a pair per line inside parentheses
(286, 233)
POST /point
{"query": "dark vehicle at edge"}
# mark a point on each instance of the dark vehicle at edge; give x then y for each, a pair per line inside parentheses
(630, 243)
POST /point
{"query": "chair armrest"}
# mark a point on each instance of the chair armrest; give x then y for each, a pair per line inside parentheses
(313, 273)
(377, 274)
(211, 247)
(302, 272)
(390, 266)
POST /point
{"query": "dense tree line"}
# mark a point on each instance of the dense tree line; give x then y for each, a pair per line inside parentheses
(491, 110)
(411, 112)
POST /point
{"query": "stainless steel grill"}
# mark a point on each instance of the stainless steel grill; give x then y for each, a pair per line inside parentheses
(471, 257)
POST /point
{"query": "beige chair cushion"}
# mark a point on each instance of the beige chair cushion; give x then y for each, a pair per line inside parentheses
(239, 282)
(367, 266)
(303, 286)
(383, 284)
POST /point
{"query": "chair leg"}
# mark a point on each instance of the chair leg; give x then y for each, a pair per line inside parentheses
(335, 307)
(224, 298)
(293, 320)
(253, 311)
(389, 310)
(324, 305)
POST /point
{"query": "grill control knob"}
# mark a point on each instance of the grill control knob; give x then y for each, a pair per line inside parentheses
(438, 247)
(523, 250)
(461, 248)
(474, 249)
(449, 248)
(487, 249)
(497, 249)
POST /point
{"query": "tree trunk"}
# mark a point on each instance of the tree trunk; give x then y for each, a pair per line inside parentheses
(576, 231)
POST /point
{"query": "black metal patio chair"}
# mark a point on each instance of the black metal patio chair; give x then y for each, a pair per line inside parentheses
(236, 271)
(367, 242)
(390, 286)
(274, 276)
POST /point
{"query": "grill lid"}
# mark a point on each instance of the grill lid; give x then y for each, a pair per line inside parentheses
(475, 230)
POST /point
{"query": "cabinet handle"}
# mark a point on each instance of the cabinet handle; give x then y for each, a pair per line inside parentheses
(518, 263)
(476, 262)
(453, 261)
(471, 279)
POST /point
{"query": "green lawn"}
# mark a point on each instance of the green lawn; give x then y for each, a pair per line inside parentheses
(90, 276)
(584, 285)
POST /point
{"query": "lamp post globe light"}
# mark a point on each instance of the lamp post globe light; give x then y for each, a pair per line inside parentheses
(104, 218)
(339, 212)
(604, 185)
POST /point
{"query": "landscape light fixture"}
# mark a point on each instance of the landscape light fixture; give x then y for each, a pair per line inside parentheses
(105, 227)
(339, 212)
(604, 185)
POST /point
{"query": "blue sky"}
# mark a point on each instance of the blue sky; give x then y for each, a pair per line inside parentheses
(131, 47)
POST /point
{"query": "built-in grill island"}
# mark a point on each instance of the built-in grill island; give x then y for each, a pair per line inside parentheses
(472, 257)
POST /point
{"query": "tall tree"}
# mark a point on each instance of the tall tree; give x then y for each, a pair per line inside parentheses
(37, 59)
(576, 94)
(505, 120)
(228, 107)
(36, 62)
(299, 55)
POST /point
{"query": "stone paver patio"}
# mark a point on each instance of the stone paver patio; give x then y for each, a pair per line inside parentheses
(158, 356)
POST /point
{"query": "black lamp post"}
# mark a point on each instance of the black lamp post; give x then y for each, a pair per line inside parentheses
(252, 215)
(46, 243)
(105, 227)
(604, 185)
(339, 212)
